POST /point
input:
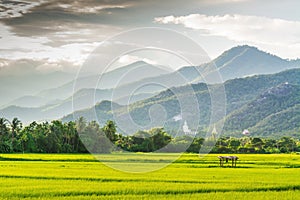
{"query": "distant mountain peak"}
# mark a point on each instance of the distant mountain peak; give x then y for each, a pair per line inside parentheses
(140, 62)
(245, 60)
(107, 105)
(243, 47)
(244, 50)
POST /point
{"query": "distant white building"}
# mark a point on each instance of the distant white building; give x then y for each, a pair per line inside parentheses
(246, 132)
(214, 133)
(186, 129)
(177, 118)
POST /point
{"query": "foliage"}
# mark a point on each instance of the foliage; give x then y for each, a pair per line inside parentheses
(266, 105)
(82, 137)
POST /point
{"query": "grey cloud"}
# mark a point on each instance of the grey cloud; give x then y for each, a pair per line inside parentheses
(12, 8)
(48, 16)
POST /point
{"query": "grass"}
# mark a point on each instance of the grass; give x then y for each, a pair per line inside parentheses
(63, 176)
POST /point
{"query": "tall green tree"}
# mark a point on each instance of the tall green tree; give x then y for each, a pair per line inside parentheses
(3, 126)
(16, 126)
(110, 130)
(5, 144)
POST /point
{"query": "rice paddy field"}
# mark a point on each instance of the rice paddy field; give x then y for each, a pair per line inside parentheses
(62, 176)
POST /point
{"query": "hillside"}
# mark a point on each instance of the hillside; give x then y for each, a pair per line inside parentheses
(152, 87)
(115, 78)
(280, 123)
(241, 96)
(237, 62)
(272, 111)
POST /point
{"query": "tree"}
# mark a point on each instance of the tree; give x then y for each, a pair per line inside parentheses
(59, 137)
(16, 126)
(159, 138)
(234, 144)
(3, 126)
(110, 130)
(40, 136)
(5, 144)
(27, 138)
(71, 136)
(80, 125)
(257, 143)
(196, 145)
(142, 142)
(95, 140)
(286, 144)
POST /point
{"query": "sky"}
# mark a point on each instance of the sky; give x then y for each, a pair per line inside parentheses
(60, 35)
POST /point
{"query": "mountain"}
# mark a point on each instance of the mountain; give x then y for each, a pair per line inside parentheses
(120, 76)
(242, 95)
(55, 103)
(241, 90)
(273, 110)
(84, 98)
(279, 123)
(242, 61)
(237, 62)
(18, 86)
(27, 115)
(29, 101)
(154, 86)
(243, 103)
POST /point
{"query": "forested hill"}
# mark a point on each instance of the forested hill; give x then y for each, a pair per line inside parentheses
(259, 99)
(274, 111)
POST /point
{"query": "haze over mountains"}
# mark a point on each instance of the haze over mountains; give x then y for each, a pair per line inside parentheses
(26, 86)
(250, 102)
(239, 64)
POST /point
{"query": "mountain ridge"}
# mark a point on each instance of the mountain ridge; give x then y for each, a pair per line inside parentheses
(236, 92)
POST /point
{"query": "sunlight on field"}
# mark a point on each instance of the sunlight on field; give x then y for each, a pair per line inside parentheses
(53, 176)
(137, 162)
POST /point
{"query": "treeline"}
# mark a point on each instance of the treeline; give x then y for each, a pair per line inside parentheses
(83, 137)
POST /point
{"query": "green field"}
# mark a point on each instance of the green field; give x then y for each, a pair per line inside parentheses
(55, 176)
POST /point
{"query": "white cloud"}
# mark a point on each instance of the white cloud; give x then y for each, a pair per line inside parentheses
(36, 48)
(96, 9)
(3, 63)
(282, 35)
(88, 7)
(10, 40)
(76, 53)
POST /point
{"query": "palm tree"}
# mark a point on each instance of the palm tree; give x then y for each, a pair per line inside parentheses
(110, 130)
(3, 126)
(15, 125)
(80, 125)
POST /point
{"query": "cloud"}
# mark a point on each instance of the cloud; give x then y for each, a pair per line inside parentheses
(241, 28)
(38, 48)
(88, 8)
(18, 67)
(75, 53)
(17, 8)
(10, 40)
(29, 66)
